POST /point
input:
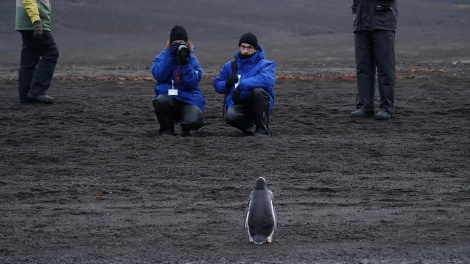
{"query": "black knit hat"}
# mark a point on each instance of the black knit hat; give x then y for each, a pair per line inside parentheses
(249, 38)
(178, 33)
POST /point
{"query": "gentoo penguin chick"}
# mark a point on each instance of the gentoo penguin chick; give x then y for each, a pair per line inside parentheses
(260, 217)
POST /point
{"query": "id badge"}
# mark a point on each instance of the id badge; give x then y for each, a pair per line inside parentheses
(173, 92)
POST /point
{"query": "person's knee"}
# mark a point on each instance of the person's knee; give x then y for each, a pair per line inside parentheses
(51, 54)
(260, 96)
(231, 115)
(259, 92)
(161, 102)
(192, 118)
(56, 54)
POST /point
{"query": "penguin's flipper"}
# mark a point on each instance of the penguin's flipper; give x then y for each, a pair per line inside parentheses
(247, 215)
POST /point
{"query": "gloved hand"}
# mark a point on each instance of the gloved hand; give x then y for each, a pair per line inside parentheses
(37, 27)
(231, 81)
(182, 60)
(173, 48)
(236, 95)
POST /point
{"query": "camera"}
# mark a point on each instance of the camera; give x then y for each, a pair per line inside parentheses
(183, 51)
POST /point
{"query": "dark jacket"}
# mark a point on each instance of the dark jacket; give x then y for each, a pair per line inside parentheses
(370, 15)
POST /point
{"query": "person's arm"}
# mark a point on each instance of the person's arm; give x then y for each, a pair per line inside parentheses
(264, 79)
(191, 74)
(162, 66)
(221, 80)
(32, 10)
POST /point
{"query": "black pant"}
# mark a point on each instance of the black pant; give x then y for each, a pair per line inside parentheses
(254, 109)
(375, 52)
(38, 60)
(169, 111)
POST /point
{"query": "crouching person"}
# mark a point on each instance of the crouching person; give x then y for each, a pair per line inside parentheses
(248, 82)
(177, 95)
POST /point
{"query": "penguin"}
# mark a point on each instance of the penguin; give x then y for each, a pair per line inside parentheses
(260, 217)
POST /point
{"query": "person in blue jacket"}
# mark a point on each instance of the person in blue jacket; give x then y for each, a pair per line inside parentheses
(177, 95)
(249, 87)
(374, 27)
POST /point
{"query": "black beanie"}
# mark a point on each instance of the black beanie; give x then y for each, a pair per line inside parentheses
(178, 33)
(249, 38)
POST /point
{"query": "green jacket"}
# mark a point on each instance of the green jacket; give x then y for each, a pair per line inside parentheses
(29, 11)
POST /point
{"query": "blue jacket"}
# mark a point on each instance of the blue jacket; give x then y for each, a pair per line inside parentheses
(256, 72)
(165, 71)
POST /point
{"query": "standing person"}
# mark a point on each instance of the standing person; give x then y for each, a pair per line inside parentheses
(39, 52)
(248, 83)
(177, 94)
(375, 22)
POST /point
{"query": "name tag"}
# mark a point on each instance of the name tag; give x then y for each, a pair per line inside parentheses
(173, 92)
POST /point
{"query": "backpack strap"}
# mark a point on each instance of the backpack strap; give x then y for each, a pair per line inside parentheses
(234, 67)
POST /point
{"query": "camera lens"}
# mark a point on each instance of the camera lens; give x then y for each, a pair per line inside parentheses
(183, 51)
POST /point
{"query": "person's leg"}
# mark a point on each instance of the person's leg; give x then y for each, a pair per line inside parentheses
(365, 69)
(260, 101)
(238, 116)
(49, 53)
(191, 118)
(165, 110)
(29, 60)
(384, 49)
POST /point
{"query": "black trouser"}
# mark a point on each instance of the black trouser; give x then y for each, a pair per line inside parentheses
(254, 109)
(38, 60)
(375, 52)
(169, 110)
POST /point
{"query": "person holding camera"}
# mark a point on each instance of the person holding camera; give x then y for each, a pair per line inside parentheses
(177, 95)
(375, 23)
(248, 83)
(39, 52)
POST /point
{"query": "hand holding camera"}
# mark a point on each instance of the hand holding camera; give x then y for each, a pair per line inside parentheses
(173, 48)
(182, 55)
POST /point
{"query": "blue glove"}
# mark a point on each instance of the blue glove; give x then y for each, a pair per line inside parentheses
(173, 48)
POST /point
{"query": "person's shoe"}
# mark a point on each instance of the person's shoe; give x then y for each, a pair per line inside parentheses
(362, 113)
(261, 133)
(166, 133)
(28, 101)
(185, 133)
(247, 131)
(383, 115)
(43, 98)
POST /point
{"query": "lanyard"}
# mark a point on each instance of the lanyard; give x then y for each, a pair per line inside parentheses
(178, 75)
